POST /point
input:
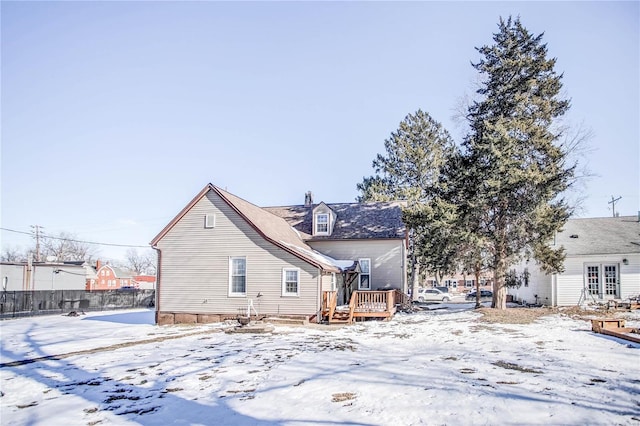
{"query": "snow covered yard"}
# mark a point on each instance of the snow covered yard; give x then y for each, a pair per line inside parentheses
(435, 367)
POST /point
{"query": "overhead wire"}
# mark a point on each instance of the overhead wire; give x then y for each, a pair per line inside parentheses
(74, 240)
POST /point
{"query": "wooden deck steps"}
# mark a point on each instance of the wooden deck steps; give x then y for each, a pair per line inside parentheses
(381, 304)
(616, 328)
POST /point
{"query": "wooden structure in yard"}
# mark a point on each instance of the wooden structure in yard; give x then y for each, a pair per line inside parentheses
(615, 328)
(363, 304)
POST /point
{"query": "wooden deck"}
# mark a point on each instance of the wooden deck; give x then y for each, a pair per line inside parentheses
(616, 328)
(363, 304)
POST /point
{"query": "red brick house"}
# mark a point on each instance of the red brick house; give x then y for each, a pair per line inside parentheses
(110, 278)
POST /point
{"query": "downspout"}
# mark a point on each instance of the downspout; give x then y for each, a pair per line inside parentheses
(158, 269)
(319, 297)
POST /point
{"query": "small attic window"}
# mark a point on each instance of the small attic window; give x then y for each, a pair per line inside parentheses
(209, 221)
(573, 236)
(322, 224)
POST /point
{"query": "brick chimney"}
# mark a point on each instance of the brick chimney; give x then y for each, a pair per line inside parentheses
(98, 264)
(308, 199)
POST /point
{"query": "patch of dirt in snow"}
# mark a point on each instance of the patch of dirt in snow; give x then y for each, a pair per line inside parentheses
(343, 396)
(516, 367)
(528, 315)
(513, 315)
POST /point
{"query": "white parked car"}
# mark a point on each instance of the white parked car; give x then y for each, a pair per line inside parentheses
(433, 295)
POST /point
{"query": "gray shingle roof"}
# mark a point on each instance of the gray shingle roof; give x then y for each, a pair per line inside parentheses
(276, 229)
(353, 220)
(605, 235)
(271, 227)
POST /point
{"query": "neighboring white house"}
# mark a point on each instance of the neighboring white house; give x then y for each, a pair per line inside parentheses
(602, 263)
(222, 253)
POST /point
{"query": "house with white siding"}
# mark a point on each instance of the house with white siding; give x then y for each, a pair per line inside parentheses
(222, 256)
(602, 263)
(37, 276)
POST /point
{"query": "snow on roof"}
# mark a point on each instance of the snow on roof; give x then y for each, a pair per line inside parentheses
(319, 257)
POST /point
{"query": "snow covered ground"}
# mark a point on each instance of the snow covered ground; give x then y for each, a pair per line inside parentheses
(435, 367)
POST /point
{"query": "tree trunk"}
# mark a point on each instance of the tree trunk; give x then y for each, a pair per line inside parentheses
(477, 273)
(499, 287)
(415, 279)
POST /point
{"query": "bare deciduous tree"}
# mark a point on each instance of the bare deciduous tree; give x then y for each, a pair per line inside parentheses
(141, 263)
(66, 247)
(13, 254)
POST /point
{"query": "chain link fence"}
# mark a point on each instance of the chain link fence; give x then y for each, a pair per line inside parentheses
(43, 302)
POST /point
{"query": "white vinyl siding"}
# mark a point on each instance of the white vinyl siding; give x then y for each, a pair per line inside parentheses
(387, 259)
(195, 267)
(290, 282)
(583, 280)
(237, 276)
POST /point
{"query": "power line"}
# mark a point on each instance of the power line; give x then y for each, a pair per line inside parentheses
(76, 241)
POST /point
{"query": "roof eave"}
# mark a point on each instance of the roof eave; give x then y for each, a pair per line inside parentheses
(211, 187)
(180, 215)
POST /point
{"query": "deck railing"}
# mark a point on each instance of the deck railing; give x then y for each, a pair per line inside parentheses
(364, 304)
(373, 301)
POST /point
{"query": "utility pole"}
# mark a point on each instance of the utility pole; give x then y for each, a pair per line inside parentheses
(613, 204)
(37, 229)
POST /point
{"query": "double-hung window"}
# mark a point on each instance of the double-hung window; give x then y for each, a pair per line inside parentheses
(322, 224)
(238, 276)
(290, 282)
(365, 274)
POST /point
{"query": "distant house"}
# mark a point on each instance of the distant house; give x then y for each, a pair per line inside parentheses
(462, 283)
(28, 276)
(602, 263)
(144, 282)
(222, 255)
(110, 278)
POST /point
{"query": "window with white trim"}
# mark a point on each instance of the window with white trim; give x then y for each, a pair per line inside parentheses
(333, 281)
(237, 276)
(322, 224)
(469, 283)
(290, 282)
(365, 274)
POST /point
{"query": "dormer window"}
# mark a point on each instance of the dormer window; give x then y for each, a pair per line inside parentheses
(323, 220)
(322, 224)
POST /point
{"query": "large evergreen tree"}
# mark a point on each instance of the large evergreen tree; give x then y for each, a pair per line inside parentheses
(515, 166)
(410, 170)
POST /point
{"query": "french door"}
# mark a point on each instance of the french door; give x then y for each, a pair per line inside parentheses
(603, 280)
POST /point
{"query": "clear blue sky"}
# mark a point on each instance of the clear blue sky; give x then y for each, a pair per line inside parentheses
(115, 114)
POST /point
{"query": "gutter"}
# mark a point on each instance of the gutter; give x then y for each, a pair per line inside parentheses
(158, 273)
